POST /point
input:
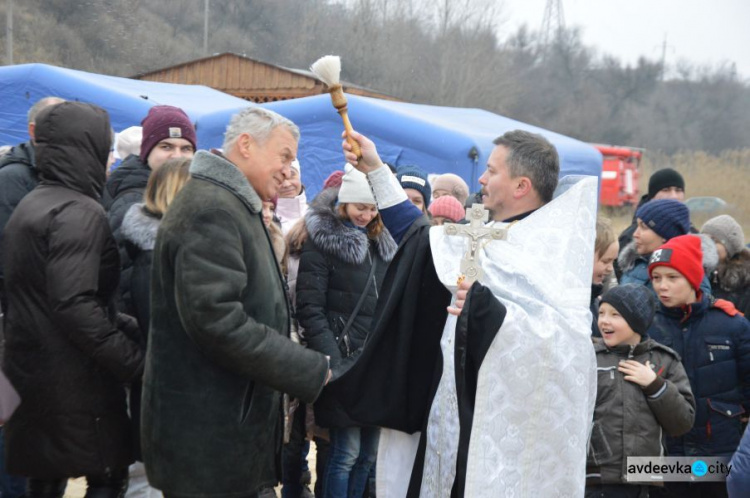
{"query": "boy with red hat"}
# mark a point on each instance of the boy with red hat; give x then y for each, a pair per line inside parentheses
(713, 340)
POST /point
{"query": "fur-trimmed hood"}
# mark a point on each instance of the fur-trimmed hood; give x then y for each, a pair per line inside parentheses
(629, 256)
(140, 228)
(734, 274)
(332, 236)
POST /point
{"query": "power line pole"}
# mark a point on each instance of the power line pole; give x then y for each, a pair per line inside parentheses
(205, 28)
(553, 22)
(664, 57)
(9, 32)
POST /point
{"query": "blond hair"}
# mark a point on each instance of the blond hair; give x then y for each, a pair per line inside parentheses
(164, 184)
(605, 236)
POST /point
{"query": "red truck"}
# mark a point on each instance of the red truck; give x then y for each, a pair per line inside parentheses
(619, 175)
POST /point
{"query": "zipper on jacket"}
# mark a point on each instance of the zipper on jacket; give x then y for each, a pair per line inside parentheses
(711, 355)
(630, 353)
(374, 280)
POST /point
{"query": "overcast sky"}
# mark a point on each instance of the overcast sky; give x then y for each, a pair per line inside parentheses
(700, 31)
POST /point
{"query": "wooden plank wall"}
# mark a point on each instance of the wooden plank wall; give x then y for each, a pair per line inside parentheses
(247, 79)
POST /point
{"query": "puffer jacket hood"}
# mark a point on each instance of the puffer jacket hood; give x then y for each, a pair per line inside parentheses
(140, 228)
(22, 153)
(72, 145)
(131, 175)
(734, 274)
(333, 236)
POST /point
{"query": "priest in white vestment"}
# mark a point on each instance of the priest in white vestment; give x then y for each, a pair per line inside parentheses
(496, 398)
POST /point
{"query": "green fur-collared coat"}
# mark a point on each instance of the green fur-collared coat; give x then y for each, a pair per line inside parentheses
(219, 354)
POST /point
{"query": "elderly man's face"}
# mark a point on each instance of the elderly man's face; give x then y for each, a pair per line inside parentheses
(267, 165)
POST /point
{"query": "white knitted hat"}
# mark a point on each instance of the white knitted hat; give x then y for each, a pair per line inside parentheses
(355, 188)
(128, 141)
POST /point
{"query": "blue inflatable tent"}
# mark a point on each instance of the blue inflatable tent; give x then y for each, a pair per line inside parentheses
(126, 100)
(439, 139)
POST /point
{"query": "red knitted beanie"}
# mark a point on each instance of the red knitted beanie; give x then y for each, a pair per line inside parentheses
(684, 254)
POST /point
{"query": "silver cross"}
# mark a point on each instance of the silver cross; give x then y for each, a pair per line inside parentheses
(476, 231)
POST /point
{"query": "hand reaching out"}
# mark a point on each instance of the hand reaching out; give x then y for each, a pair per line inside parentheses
(370, 159)
(636, 372)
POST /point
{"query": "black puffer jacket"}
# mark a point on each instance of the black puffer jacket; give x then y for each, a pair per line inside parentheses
(18, 177)
(66, 351)
(139, 230)
(139, 237)
(125, 187)
(333, 270)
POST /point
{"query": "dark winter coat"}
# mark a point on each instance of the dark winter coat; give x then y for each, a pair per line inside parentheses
(629, 420)
(731, 281)
(219, 352)
(335, 263)
(125, 187)
(64, 352)
(138, 230)
(139, 236)
(18, 177)
(715, 350)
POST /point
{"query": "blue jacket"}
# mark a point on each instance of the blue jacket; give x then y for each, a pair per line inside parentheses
(715, 350)
(738, 480)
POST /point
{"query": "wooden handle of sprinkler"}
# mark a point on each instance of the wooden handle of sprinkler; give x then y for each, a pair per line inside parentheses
(339, 102)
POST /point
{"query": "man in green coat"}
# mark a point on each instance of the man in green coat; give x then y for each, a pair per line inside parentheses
(219, 353)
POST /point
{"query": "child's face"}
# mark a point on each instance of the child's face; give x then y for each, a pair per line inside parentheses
(615, 330)
(672, 288)
(603, 265)
(646, 240)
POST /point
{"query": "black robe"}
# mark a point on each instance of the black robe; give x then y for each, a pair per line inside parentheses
(394, 380)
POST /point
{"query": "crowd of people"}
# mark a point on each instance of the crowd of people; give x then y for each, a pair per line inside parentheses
(182, 324)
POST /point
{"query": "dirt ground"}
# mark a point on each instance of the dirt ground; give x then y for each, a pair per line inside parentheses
(77, 487)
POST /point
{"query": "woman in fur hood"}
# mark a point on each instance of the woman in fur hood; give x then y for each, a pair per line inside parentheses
(341, 268)
(731, 278)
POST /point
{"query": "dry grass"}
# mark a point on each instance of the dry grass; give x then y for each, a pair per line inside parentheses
(726, 176)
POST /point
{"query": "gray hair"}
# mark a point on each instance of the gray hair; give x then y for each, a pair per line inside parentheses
(41, 104)
(258, 123)
(533, 156)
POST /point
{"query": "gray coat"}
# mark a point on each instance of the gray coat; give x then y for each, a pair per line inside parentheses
(630, 420)
(219, 353)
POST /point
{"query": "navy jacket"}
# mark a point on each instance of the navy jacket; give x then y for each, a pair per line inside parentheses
(738, 480)
(715, 350)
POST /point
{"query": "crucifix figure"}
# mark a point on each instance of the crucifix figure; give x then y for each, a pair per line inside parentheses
(477, 216)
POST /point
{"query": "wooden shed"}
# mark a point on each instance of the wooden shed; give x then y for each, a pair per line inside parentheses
(249, 79)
